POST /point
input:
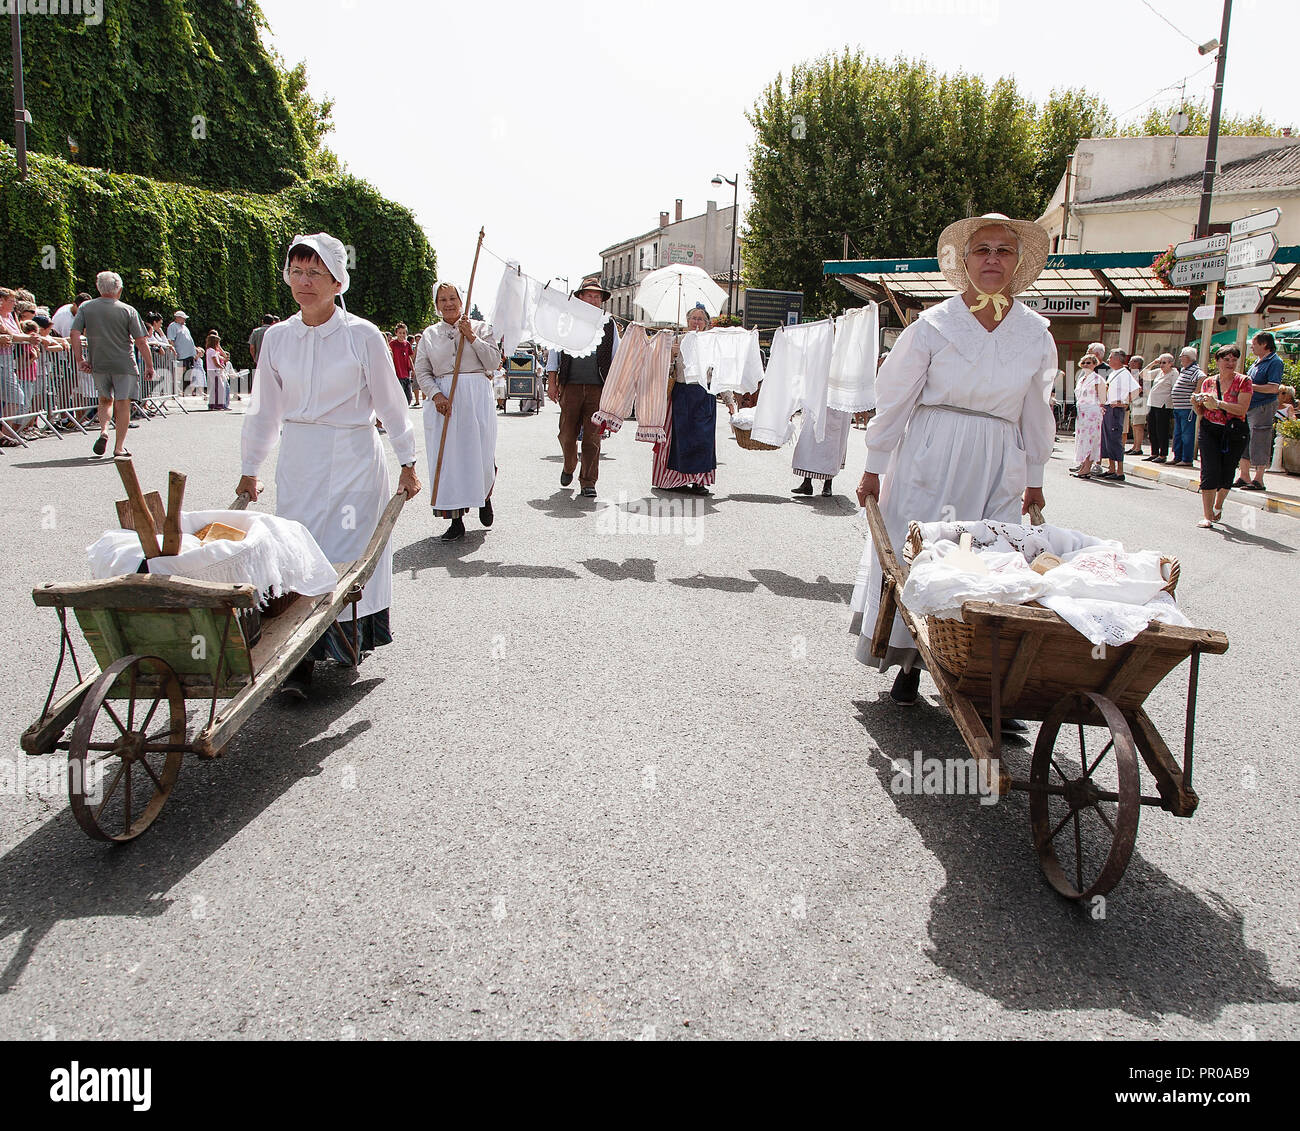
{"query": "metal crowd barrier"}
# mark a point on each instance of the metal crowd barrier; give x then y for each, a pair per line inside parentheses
(42, 391)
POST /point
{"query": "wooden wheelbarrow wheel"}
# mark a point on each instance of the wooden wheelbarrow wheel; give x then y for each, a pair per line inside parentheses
(1096, 825)
(122, 759)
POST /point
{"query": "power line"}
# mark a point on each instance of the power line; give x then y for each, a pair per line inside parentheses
(1152, 97)
(1172, 25)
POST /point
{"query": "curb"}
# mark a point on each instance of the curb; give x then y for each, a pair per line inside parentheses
(1261, 500)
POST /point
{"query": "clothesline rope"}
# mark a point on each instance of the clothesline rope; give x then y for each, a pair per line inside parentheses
(622, 322)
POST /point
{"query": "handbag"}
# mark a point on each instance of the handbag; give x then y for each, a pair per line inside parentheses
(1237, 431)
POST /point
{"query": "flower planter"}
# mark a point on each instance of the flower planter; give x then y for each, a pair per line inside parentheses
(1291, 456)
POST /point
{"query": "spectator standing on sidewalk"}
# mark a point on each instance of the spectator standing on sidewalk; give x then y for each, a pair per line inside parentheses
(111, 327)
(1266, 376)
(216, 359)
(1222, 403)
(61, 319)
(1120, 390)
(1159, 381)
(178, 333)
(255, 345)
(403, 358)
(1137, 407)
(11, 338)
(1186, 383)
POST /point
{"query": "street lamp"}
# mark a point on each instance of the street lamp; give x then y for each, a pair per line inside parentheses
(719, 179)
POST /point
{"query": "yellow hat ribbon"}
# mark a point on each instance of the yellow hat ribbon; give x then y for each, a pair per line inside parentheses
(1000, 303)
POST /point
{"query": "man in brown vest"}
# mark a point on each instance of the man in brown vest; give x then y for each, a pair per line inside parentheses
(575, 383)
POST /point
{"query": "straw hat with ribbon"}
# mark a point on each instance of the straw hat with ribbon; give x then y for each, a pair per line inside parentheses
(1034, 245)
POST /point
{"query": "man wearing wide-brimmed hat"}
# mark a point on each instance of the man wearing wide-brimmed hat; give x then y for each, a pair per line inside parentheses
(963, 427)
(575, 382)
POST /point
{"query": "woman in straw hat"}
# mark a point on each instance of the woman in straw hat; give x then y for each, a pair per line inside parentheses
(963, 426)
(322, 376)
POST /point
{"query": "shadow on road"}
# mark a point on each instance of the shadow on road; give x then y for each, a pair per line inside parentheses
(58, 874)
(782, 584)
(1237, 537)
(432, 553)
(632, 569)
(997, 927)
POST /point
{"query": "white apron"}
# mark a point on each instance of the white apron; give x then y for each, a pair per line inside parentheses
(335, 482)
(951, 466)
(824, 460)
(469, 465)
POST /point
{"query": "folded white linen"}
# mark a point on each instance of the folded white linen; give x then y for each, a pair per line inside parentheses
(277, 555)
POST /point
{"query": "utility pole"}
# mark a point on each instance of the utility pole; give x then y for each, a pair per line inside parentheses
(20, 106)
(1211, 161)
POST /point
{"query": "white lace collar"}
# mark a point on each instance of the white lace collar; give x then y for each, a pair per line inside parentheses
(1019, 329)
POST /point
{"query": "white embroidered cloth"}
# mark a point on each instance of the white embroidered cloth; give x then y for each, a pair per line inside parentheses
(852, 383)
(515, 308)
(730, 352)
(277, 555)
(797, 374)
(1108, 595)
(567, 324)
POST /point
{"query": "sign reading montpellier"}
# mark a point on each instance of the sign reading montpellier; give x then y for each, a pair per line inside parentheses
(1252, 250)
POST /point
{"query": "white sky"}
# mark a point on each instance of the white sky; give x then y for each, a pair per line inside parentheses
(464, 112)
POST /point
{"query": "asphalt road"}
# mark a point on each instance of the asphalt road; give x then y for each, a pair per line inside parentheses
(618, 782)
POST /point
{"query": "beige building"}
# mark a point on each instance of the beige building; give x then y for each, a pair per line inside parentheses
(698, 241)
(1144, 193)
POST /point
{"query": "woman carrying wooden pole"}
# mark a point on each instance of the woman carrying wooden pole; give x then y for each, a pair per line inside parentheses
(461, 447)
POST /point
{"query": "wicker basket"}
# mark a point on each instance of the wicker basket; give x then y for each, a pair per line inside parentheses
(744, 440)
(950, 640)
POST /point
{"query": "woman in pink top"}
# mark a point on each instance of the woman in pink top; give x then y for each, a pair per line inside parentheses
(216, 358)
(1221, 404)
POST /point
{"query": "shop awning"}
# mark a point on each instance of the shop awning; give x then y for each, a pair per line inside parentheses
(1122, 278)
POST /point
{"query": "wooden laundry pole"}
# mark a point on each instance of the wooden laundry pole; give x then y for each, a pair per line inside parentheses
(455, 372)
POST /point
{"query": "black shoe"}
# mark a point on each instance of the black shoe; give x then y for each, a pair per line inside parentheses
(485, 513)
(588, 492)
(566, 477)
(1254, 487)
(1009, 726)
(100, 445)
(298, 685)
(826, 489)
(454, 532)
(906, 686)
(1239, 482)
(804, 488)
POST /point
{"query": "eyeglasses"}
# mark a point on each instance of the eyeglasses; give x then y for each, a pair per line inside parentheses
(312, 274)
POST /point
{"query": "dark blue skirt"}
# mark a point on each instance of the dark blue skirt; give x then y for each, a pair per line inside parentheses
(373, 631)
(692, 448)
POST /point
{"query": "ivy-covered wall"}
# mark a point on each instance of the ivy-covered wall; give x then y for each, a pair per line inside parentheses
(178, 90)
(217, 255)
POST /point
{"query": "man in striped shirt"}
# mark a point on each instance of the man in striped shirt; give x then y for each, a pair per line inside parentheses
(1180, 400)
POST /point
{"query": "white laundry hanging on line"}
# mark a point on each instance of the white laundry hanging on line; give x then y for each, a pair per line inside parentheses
(852, 383)
(568, 324)
(730, 352)
(797, 374)
(515, 308)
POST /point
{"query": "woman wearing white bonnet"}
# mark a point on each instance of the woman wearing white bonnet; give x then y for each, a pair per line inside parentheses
(469, 453)
(323, 376)
(963, 427)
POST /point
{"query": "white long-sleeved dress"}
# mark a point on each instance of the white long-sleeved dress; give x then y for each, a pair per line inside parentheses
(469, 462)
(963, 425)
(318, 389)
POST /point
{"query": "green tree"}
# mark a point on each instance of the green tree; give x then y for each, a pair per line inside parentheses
(1156, 123)
(889, 153)
(1066, 117)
